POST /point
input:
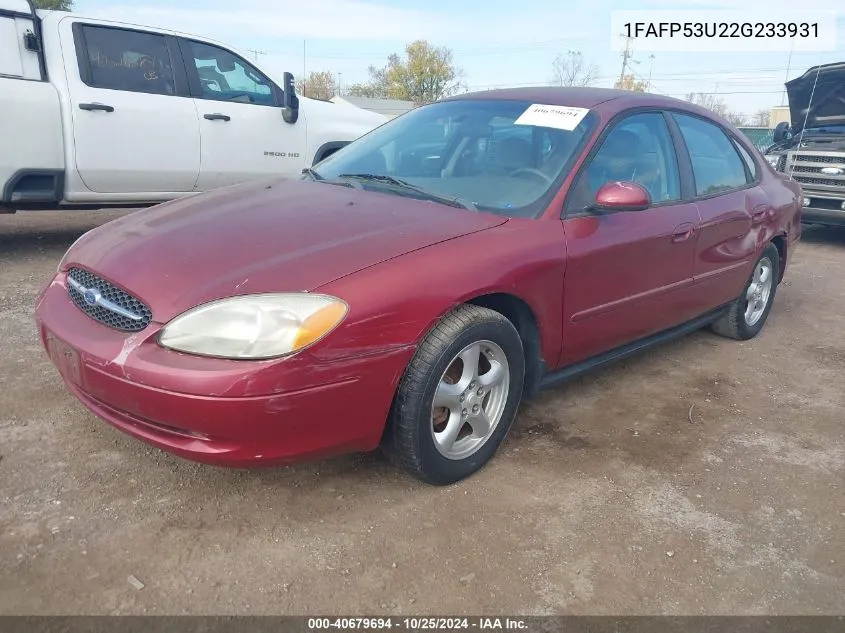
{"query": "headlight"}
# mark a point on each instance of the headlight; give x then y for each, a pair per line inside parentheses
(773, 159)
(254, 326)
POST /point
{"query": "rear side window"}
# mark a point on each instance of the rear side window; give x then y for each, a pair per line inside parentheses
(716, 164)
(752, 166)
(119, 59)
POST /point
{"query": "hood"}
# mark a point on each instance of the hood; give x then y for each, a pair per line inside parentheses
(828, 99)
(342, 113)
(282, 235)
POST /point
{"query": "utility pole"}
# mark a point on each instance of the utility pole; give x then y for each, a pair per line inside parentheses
(303, 60)
(626, 55)
(256, 53)
(650, 68)
(339, 85)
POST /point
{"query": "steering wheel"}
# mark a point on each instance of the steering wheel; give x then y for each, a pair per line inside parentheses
(530, 170)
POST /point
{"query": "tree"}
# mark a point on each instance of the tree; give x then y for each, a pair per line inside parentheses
(717, 106)
(736, 118)
(375, 88)
(708, 101)
(54, 5)
(317, 85)
(426, 74)
(573, 70)
(629, 83)
(762, 118)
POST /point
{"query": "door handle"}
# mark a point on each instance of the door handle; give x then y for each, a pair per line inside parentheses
(683, 232)
(217, 117)
(96, 106)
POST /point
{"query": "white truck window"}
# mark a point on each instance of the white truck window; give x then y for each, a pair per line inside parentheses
(223, 76)
(120, 59)
(10, 54)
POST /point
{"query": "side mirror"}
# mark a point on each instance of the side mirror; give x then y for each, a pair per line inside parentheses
(290, 102)
(781, 132)
(622, 196)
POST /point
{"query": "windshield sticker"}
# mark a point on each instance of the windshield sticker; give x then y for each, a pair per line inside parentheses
(560, 117)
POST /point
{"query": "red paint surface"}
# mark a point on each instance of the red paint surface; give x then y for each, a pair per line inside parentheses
(592, 283)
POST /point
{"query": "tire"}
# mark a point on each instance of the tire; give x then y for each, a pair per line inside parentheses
(409, 439)
(735, 323)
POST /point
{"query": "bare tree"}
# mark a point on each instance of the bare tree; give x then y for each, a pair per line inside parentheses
(708, 101)
(762, 118)
(736, 118)
(717, 106)
(317, 85)
(572, 69)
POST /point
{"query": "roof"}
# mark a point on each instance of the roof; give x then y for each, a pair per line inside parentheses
(392, 106)
(569, 96)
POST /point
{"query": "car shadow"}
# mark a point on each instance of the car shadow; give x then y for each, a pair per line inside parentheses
(38, 232)
(818, 234)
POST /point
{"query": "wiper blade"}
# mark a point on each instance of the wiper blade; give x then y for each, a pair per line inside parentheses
(430, 195)
(312, 174)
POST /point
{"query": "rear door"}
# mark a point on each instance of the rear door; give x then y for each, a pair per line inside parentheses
(135, 128)
(244, 135)
(732, 209)
(628, 274)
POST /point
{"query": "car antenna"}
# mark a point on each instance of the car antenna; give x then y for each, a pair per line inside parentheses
(806, 115)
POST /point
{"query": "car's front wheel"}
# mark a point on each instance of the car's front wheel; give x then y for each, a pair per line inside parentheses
(747, 314)
(458, 397)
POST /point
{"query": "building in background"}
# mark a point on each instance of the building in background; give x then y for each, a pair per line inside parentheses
(778, 114)
(387, 107)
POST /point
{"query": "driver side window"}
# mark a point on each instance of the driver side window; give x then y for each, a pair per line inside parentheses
(638, 149)
(223, 76)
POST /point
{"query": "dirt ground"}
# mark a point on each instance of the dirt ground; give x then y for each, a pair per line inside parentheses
(605, 499)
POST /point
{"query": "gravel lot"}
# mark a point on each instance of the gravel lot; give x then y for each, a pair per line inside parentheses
(605, 499)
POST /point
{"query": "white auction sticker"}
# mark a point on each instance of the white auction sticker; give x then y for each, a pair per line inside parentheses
(560, 117)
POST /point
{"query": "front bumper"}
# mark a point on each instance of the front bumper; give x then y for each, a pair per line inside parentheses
(816, 215)
(222, 412)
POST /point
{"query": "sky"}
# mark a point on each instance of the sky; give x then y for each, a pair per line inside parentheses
(495, 43)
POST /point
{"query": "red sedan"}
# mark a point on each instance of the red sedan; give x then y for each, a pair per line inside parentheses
(410, 290)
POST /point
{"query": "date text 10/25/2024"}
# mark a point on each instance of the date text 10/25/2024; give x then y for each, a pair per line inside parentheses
(417, 623)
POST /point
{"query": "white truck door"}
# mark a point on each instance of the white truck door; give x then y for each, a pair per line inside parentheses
(135, 127)
(244, 135)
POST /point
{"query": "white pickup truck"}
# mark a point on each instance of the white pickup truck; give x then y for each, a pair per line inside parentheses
(95, 113)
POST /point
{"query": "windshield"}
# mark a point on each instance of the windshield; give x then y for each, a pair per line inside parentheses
(471, 150)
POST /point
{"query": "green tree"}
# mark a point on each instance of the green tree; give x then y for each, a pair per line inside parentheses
(426, 73)
(317, 85)
(54, 5)
(630, 83)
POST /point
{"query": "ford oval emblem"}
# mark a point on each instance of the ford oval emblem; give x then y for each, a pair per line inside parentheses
(833, 171)
(91, 296)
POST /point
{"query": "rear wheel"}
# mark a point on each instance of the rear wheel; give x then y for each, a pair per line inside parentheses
(747, 315)
(458, 397)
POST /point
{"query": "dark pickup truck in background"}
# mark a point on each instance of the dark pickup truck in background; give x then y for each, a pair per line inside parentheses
(811, 148)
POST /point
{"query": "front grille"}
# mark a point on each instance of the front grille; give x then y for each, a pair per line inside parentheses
(806, 168)
(115, 300)
(819, 158)
(781, 166)
(809, 180)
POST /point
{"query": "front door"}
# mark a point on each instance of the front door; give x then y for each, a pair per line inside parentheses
(135, 127)
(628, 274)
(244, 135)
